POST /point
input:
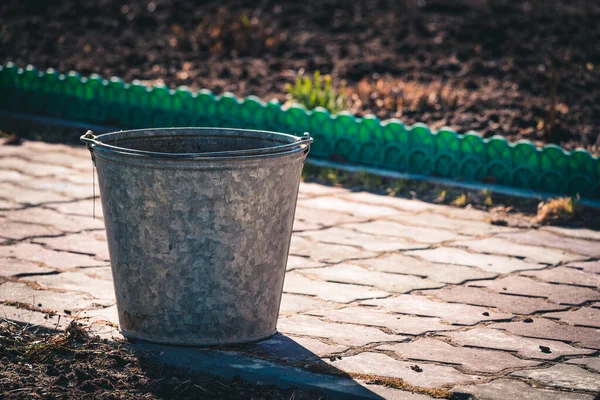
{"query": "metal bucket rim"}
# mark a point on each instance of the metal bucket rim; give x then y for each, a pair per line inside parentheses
(291, 143)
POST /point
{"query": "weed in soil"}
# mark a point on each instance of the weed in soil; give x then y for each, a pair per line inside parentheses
(317, 91)
(44, 364)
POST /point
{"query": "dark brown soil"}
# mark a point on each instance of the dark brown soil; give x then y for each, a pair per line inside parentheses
(519, 68)
(41, 364)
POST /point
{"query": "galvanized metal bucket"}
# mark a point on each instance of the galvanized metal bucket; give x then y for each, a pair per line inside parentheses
(199, 222)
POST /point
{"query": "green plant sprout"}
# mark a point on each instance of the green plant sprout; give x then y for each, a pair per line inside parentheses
(317, 91)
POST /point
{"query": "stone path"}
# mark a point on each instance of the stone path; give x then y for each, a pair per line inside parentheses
(386, 290)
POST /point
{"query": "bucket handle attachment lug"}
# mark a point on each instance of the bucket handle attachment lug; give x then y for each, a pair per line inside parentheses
(89, 138)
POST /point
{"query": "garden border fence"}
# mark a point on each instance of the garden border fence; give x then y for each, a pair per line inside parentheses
(340, 140)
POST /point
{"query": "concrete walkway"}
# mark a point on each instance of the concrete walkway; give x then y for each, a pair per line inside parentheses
(391, 292)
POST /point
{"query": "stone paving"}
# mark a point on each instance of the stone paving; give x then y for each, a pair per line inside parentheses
(386, 290)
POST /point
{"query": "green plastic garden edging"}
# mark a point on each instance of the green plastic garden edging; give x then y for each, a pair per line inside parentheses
(341, 138)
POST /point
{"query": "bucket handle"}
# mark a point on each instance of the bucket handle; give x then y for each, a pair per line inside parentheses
(92, 140)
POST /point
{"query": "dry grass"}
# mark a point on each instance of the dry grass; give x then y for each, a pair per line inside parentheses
(45, 348)
(397, 383)
(45, 351)
(557, 211)
(44, 364)
(398, 97)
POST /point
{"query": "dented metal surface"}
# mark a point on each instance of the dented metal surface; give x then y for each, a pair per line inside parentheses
(198, 246)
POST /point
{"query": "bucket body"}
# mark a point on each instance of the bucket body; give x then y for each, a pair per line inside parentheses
(198, 245)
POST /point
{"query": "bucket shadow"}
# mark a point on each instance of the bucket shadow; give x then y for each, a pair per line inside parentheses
(278, 360)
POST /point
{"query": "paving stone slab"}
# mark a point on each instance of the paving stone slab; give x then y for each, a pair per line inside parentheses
(10, 150)
(83, 208)
(19, 230)
(453, 313)
(318, 347)
(291, 349)
(546, 329)
(81, 178)
(294, 304)
(76, 161)
(591, 363)
(301, 226)
(480, 297)
(12, 267)
(585, 316)
(45, 257)
(30, 146)
(579, 233)
(544, 238)
(315, 189)
(505, 389)
(325, 252)
(520, 285)
(395, 394)
(563, 376)
(409, 205)
(16, 194)
(14, 176)
(488, 338)
(55, 301)
(92, 243)
(489, 263)
(325, 218)
(103, 315)
(398, 230)
(475, 360)
(65, 223)
(76, 282)
(30, 317)
(505, 247)
(366, 241)
(400, 324)
(297, 262)
(567, 276)
(438, 221)
(348, 273)
(66, 188)
(467, 213)
(445, 273)
(104, 330)
(338, 204)
(344, 334)
(104, 273)
(6, 204)
(590, 267)
(340, 292)
(431, 375)
(32, 168)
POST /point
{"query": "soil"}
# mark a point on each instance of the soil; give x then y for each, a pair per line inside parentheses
(524, 69)
(42, 364)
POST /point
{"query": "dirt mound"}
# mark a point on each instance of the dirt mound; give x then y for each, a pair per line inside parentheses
(37, 363)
